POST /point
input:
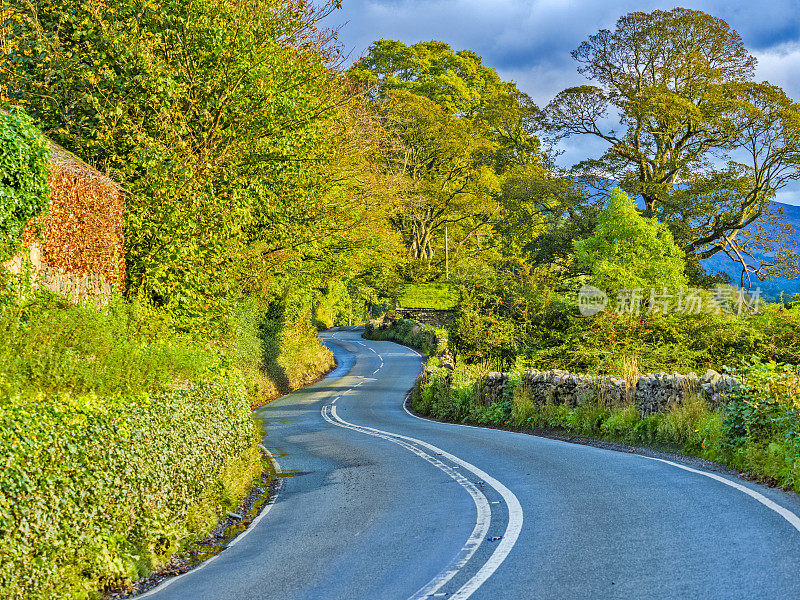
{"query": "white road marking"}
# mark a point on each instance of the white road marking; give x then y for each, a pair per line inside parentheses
(515, 515)
(791, 517)
(484, 513)
(168, 582)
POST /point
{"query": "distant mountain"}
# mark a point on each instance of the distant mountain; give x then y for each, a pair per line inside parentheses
(771, 288)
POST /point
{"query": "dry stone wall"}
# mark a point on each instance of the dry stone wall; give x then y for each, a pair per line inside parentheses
(652, 393)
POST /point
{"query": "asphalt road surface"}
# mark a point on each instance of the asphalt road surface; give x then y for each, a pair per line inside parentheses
(383, 505)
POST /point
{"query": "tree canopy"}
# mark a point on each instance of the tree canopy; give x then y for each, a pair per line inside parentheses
(463, 138)
(630, 250)
(704, 146)
(247, 160)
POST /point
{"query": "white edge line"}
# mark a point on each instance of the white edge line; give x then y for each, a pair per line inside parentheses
(483, 510)
(791, 517)
(168, 582)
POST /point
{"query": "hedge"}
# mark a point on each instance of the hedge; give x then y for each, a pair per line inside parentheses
(409, 333)
(97, 491)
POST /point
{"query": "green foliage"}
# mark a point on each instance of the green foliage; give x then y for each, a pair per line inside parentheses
(704, 145)
(439, 296)
(98, 490)
(757, 431)
(246, 160)
(24, 173)
(407, 332)
(50, 346)
(455, 131)
(765, 405)
(628, 250)
(292, 354)
(496, 311)
(123, 441)
(674, 342)
(514, 315)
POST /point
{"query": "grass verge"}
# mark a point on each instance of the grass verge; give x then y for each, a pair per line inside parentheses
(755, 431)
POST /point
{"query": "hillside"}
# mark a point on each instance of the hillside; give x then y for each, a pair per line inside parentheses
(771, 288)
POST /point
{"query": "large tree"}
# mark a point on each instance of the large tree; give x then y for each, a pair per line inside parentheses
(704, 146)
(462, 85)
(462, 132)
(247, 160)
(440, 163)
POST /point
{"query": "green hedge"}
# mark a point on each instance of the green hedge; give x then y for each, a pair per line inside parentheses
(121, 441)
(409, 333)
(97, 491)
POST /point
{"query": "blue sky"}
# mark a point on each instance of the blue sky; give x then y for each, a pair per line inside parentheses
(529, 41)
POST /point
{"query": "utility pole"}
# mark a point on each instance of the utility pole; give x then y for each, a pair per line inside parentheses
(446, 256)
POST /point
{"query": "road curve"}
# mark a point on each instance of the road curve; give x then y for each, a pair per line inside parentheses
(383, 505)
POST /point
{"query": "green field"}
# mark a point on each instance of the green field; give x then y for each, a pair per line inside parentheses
(439, 296)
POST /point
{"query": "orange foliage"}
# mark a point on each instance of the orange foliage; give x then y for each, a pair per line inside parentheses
(81, 235)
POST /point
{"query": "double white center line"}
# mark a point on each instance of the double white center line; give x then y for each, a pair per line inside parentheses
(483, 517)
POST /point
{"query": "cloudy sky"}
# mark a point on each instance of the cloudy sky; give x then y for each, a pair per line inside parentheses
(529, 41)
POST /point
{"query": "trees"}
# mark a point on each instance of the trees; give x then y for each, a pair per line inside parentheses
(444, 177)
(460, 84)
(245, 156)
(460, 131)
(704, 146)
(629, 250)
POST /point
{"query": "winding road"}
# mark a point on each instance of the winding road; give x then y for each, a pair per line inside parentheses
(383, 505)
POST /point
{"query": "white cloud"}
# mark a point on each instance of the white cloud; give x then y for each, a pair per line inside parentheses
(781, 65)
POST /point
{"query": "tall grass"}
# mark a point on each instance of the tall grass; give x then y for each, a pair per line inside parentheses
(757, 430)
(50, 346)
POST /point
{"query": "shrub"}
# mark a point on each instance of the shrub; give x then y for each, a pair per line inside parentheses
(409, 333)
(98, 490)
(122, 441)
(628, 250)
(50, 346)
(24, 173)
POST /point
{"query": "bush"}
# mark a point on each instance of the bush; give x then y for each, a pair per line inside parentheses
(560, 339)
(409, 333)
(98, 490)
(122, 441)
(24, 174)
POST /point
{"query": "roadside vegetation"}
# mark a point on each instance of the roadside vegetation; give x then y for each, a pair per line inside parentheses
(272, 191)
(437, 296)
(755, 430)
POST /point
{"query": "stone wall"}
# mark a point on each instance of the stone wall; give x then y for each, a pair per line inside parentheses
(651, 393)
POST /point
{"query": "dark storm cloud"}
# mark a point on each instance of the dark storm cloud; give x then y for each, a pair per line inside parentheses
(514, 35)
